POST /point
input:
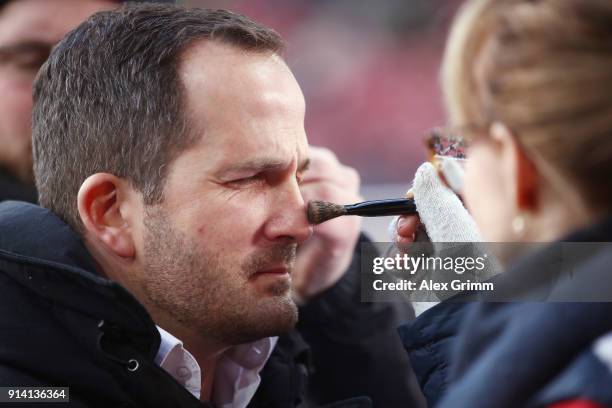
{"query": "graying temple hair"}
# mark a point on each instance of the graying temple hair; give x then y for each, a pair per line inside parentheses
(109, 98)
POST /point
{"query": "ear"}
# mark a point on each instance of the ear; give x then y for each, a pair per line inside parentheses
(523, 175)
(102, 202)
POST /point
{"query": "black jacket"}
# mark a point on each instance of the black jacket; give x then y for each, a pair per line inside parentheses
(63, 325)
(533, 353)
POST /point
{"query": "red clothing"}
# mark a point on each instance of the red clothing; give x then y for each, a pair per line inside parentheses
(577, 404)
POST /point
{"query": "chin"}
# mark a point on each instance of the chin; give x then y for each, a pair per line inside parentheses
(274, 316)
(281, 316)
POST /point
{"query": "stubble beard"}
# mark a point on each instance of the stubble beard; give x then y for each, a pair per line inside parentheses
(211, 294)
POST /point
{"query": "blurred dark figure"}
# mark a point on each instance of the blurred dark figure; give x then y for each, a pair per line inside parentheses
(28, 31)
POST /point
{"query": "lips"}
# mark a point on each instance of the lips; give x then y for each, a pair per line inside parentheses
(272, 274)
(279, 270)
(272, 280)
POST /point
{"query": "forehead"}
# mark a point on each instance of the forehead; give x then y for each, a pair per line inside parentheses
(45, 20)
(243, 102)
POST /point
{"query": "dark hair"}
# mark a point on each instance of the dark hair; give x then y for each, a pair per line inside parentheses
(109, 99)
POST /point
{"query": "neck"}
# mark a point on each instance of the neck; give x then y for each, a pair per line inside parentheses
(208, 376)
(557, 218)
(113, 267)
(562, 208)
(206, 350)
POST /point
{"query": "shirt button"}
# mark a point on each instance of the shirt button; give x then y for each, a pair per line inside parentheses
(183, 372)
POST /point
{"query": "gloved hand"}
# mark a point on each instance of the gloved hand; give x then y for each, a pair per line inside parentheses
(442, 214)
(442, 219)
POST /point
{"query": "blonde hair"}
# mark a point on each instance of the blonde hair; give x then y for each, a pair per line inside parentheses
(544, 69)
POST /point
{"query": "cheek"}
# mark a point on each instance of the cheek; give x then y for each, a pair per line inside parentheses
(484, 195)
(226, 225)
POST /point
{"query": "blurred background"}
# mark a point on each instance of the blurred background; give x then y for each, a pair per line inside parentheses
(369, 72)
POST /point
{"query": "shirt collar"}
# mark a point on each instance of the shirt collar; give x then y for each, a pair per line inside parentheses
(237, 372)
(179, 363)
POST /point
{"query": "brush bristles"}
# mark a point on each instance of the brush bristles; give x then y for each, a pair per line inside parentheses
(321, 211)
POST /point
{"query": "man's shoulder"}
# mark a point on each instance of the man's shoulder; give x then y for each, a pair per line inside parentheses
(34, 232)
(34, 344)
(89, 337)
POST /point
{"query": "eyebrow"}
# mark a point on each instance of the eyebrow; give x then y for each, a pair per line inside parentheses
(259, 165)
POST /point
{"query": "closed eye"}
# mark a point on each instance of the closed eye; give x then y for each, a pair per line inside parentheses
(256, 179)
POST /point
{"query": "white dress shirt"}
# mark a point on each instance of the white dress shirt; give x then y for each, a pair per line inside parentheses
(236, 375)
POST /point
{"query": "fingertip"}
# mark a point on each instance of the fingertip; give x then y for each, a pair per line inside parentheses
(426, 172)
(406, 240)
(407, 225)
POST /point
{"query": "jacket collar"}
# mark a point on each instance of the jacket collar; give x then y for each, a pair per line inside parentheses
(600, 231)
(547, 269)
(44, 254)
(35, 232)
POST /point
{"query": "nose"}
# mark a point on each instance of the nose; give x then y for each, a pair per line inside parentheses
(288, 220)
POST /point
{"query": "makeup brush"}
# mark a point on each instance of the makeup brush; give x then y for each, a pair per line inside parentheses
(321, 211)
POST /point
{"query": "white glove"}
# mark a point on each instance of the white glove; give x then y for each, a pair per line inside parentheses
(440, 210)
(442, 215)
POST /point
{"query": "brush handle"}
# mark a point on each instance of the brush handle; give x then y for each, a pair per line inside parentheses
(381, 208)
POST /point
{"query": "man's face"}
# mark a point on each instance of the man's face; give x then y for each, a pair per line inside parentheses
(220, 249)
(28, 31)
